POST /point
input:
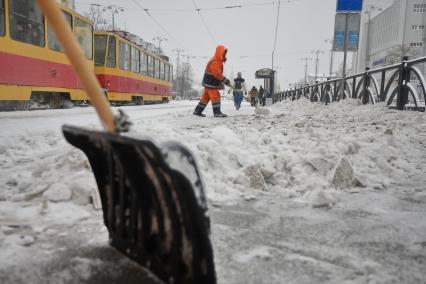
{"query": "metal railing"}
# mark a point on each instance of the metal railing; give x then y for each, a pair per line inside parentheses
(377, 85)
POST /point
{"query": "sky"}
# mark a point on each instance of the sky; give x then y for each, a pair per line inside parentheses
(247, 32)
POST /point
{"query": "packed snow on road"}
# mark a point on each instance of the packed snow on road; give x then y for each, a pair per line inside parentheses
(298, 193)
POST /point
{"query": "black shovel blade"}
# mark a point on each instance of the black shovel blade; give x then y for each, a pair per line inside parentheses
(153, 204)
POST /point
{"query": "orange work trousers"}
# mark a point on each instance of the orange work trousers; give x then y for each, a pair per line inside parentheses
(210, 95)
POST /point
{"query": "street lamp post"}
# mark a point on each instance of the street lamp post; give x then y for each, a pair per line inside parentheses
(368, 11)
(331, 56)
(306, 59)
(160, 39)
(114, 9)
(317, 53)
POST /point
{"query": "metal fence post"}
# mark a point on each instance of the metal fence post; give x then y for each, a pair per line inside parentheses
(404, 78)
(365, 87)
(382, 86)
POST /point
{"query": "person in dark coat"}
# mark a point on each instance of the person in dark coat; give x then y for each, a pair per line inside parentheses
(261, 96)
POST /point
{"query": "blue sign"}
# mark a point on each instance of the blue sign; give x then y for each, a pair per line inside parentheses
(339, 38)
(349, 5)
(353, 38)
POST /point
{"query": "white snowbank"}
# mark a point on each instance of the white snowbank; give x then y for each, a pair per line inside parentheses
(308, 152)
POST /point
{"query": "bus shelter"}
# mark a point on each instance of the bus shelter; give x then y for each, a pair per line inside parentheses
(268, 75)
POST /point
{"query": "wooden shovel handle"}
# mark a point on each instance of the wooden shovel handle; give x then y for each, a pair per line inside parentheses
(75, 55)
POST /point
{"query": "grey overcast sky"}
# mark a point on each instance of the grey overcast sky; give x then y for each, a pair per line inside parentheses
(247, 32)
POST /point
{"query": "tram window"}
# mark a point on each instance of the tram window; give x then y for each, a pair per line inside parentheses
(124, 56)
(144, 63)
(150, 66)
(157, 68)
(154, 60)
(52, 40)
(2, 23)
(111, 52)
(100, 49)
(171, 74)
(135, 60)
(26, 22)
(161, 70)
(166, 72)
(84, 33)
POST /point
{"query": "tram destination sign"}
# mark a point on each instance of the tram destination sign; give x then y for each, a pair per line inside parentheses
(349, 5)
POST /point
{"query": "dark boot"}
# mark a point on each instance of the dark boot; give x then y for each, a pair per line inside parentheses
(217, 112)
(199, 109)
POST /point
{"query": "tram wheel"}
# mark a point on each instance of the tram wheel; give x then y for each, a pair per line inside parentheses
(22, 105)
(138, 101)
(55, 101)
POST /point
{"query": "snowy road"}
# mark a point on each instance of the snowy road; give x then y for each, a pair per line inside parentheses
(303, 194)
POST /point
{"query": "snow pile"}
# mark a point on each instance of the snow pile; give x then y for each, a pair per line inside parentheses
(294, 147)
(308, 152)
(298, 148)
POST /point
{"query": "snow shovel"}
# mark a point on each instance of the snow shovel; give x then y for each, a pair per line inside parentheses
(153, 199)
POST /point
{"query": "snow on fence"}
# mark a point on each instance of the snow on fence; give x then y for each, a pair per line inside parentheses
(372, 86)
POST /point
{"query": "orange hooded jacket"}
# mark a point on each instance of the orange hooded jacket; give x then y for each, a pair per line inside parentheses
(213, 75)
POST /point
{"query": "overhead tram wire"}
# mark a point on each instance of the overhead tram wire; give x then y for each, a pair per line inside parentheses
(276, 33)
(157, 23)
(228, 7)
(204, 22)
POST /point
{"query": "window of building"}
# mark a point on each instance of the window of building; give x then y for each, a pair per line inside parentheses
(124, 56)
(418, 27)
(26, 22)
(420, 8)
(2, 17)
(135, 59)
(84, 33)
(150, 66)
(52, 40)
(100, 49)
(111, 58)
(144, 63)
(416, 44)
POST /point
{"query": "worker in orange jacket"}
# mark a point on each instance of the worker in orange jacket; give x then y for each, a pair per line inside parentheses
(213, 81)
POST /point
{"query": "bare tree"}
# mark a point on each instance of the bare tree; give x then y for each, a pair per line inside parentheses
(96, 15)
(394, 55)
(183, 84)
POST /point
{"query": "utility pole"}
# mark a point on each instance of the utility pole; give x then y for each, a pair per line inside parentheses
(345, 54)
(331, 57)
(160, 39)
(317, 53)
(178, 51)
(276, 33)
(306, 59)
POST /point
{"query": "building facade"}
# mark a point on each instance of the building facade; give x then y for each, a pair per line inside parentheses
(399, 28)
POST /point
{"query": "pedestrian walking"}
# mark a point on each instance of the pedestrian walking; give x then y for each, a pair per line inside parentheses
(261, 96)
(253, 96)
(213, 81)
(239, 90)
